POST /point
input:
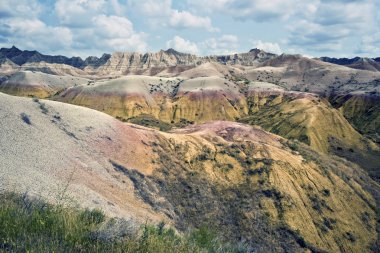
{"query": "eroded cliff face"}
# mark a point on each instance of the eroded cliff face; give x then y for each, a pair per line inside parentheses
(176, 102)
(153, 63)
(37, 84)
(362, 109)
(131, 62)
(256, 187)
(297, 73)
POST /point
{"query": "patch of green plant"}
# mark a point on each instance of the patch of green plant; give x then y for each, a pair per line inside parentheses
(30, 225)
(150, 121)
(25, 118)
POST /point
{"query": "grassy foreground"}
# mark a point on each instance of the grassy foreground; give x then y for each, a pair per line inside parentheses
(35, 226)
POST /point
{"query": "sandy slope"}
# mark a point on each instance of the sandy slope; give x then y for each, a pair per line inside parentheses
(292, 114)
(71, 147)
(294, 72)
(95, 160)
(30, 83)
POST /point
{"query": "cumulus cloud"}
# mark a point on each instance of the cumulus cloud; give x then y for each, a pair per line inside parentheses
(267, 46)
(263, 10)
(118, 33)
(161, 12)
(78, 13)
(314, 26)
(152, 8)
(331, 23)
(312, 35)
(83, 27)
(20, 25)
(370, 45)
(257, 10)
(226, 44)
(184, 19)
(180, 44)
(97, 26)
(210, 6)
(23, 8)
(34, 34)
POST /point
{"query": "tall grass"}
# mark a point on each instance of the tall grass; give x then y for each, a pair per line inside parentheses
(34, 226)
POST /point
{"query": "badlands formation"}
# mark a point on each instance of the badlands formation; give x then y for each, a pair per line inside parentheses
(280, 152)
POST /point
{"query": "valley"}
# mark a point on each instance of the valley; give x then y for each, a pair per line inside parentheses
(280, 152)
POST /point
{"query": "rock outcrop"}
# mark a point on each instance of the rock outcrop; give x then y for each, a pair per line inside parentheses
(371, 64)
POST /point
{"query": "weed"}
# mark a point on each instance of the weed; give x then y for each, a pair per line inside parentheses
(28, 225)
(25, 118)
(326, 192)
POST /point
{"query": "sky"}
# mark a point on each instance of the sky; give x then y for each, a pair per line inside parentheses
(336, 28)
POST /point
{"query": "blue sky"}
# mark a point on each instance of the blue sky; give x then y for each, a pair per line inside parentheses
(340, 28)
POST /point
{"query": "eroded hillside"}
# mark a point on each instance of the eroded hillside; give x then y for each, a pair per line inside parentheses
(174, 102)
(256, 187)
(200, 154)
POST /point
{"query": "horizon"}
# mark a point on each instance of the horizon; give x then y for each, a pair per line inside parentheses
(82, 28)
(110, 53)
(165, 50)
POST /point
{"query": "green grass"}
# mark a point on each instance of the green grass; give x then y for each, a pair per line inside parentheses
(35, 226)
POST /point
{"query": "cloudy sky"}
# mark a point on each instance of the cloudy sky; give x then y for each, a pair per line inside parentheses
(340, 28)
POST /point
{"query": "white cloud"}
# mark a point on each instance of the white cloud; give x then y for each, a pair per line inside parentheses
(22, 8)
(117, 33)
(83, 29)
(264, 10)
(162, 13)
(331, 24)
(78, 13)
(184, 19)
(307, 34)
(152, 8)
(182, 45)
(258, 10)
(34, 34)
(209, 6)
(267, 46)
(117, 7)
(370, 45)
(226, 44)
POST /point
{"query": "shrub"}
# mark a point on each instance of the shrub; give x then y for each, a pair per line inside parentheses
(34, 226)
(43, 108)
(326, 192)
(350, 236)
(25, 118)
(92, 216)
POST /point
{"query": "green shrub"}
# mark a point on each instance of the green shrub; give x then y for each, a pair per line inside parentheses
(25, 118)
(34, 226)
(94, 216)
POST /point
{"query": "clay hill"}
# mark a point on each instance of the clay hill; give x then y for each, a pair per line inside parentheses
(372, 64)
(292, 72)
(273, 194)
(281, 152)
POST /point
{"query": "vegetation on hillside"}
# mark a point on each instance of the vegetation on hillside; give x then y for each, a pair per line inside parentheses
(28, 225)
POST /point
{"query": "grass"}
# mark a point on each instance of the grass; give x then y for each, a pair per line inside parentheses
(150, 121)
(34, 226)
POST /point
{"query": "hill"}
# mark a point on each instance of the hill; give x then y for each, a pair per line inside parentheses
(38, 84)
(273, 194)
(175, 102)
(371, 64)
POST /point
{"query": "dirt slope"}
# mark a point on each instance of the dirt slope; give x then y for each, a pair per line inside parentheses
(37, 84)
(254, 186)
(176, 102)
